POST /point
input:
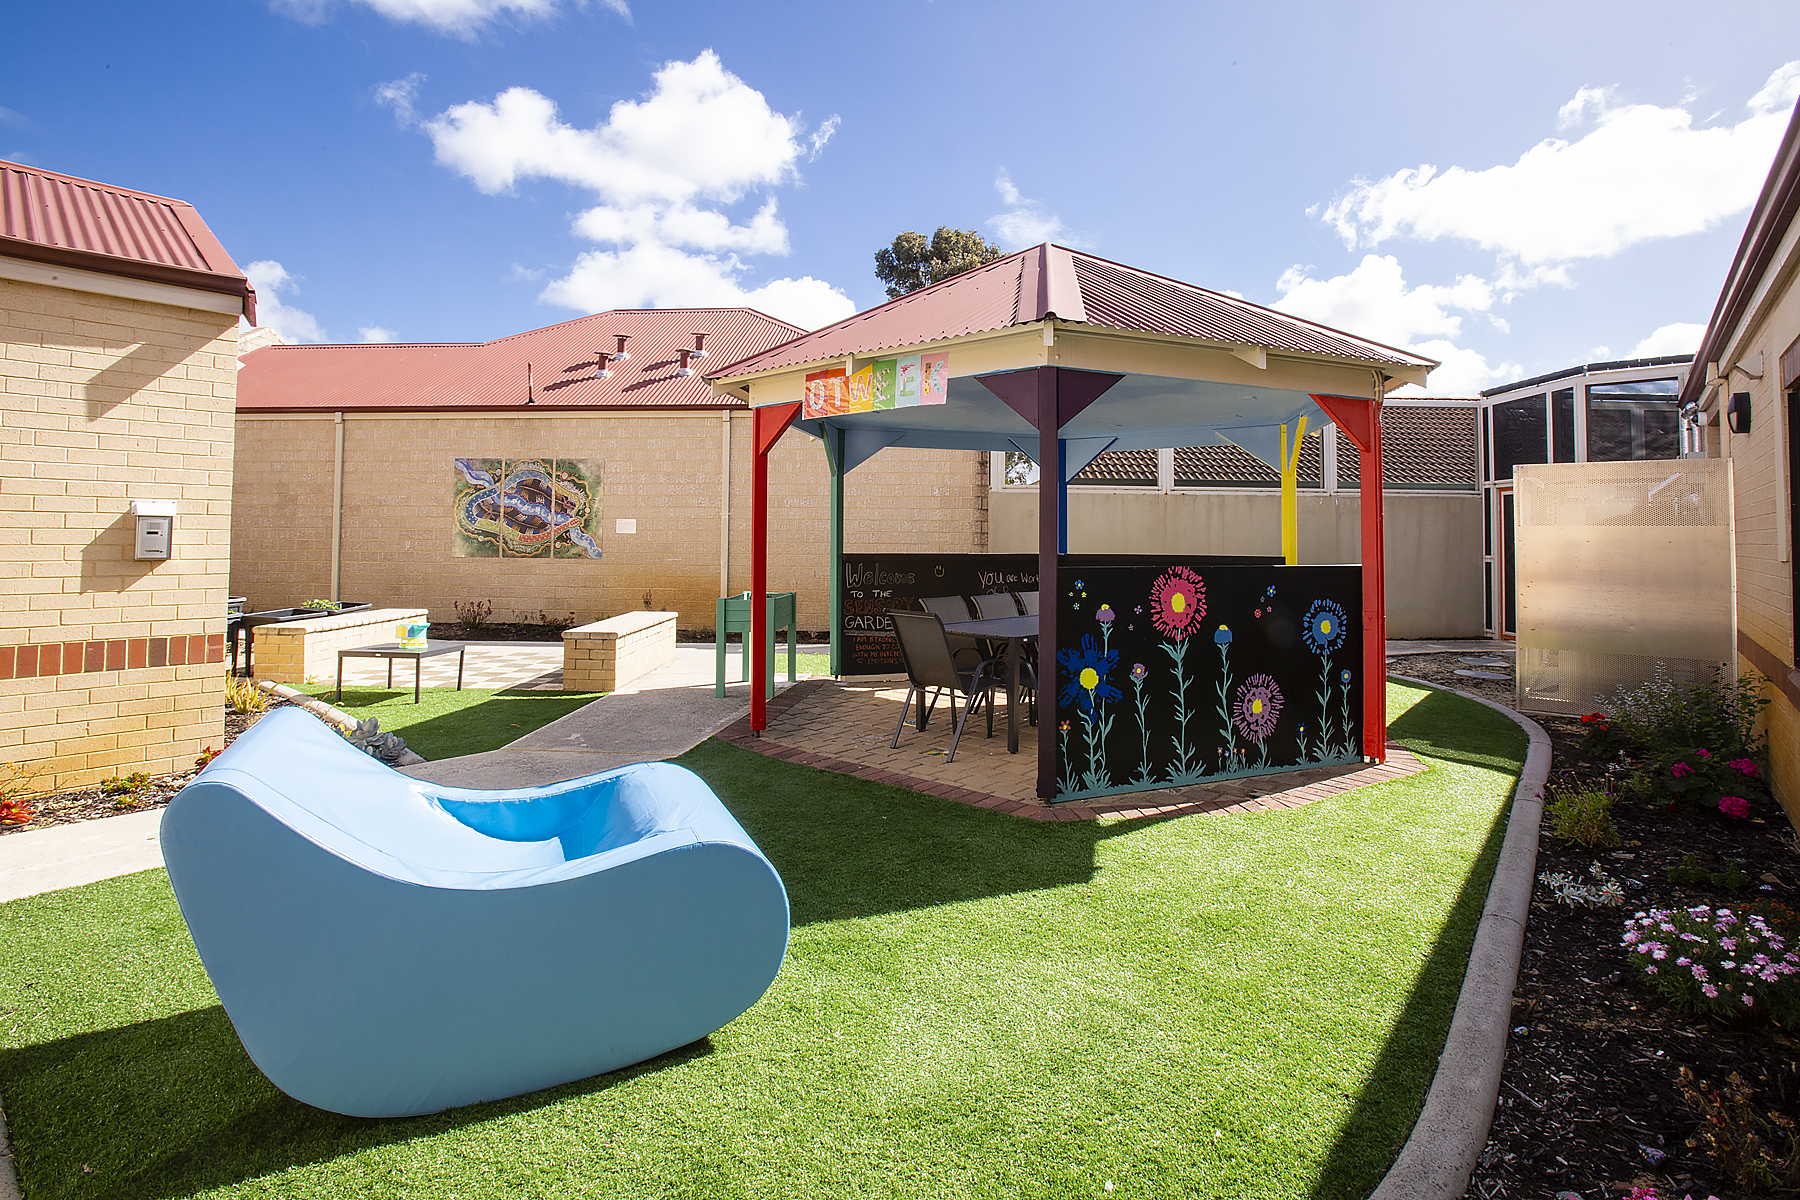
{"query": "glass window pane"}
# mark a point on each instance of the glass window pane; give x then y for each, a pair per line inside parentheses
(1562, 425)
(1487, 596)
(1223, 466)
(1520, 435)
(1512, 582)
(1483, 451)
(1119, 468)
(1487, 523)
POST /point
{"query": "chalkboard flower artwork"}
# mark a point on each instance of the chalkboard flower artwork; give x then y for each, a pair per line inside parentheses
(1324, 631)
(1179, 597)
(1090, 688)
(1105, 615)
(1139, 672)
(1256, 711)
(1324, 626)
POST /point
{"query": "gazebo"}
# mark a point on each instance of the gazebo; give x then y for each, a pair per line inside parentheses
(1156, 672)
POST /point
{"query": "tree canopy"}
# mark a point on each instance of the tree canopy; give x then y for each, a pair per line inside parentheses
(914, 261)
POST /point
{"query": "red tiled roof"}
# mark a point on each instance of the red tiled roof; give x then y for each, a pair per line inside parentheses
(1421, 447)
(1075, 288)
(70, 222)
(425, 376)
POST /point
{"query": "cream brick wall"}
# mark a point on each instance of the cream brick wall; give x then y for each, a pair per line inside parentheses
(617, 652)
(107, 401)
(296, 652)
(663, 470)
(1760, 471)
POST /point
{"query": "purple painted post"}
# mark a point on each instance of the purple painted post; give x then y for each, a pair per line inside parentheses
(1050, 524)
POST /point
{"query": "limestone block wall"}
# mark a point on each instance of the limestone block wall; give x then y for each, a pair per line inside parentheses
(664, 472)
(109, 665)
(295, 652)
(605, 656)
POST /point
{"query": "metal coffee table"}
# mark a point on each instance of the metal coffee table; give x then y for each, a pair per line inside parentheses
(393, 650)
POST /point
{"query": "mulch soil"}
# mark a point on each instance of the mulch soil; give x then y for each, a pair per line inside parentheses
(87, 804)
(1589, 1102)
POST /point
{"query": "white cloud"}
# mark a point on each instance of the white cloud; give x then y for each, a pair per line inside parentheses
(1683, 337)
(270, 279)
(458, 18)
(666, 168)
(1643, 172)
(1374, 301)
(399, 94)
(821, 135)
(1024, 223)
(373, 334)
(18, 121)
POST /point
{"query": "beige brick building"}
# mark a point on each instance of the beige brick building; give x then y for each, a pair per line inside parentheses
(347, 473)
(1744, 386)
(118, 337)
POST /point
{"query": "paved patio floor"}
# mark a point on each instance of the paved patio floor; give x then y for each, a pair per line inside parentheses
(847, 727)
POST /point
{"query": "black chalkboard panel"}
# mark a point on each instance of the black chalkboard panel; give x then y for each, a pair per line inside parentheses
(876, 583)
(1180, 670)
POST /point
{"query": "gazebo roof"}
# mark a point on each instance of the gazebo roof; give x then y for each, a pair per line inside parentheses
(1051, 282)
(1195, 367)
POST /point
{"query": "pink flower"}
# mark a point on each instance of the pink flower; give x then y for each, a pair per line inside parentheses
(1680, 769)
(1179, 597)
(1704, 753)
(1748, 999)
(1744, 765)
(1711, 992)
(1734, 806)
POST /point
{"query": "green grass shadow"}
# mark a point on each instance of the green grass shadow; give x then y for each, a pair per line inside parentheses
(1407, 1062)
(239, 1127)
(441, 727)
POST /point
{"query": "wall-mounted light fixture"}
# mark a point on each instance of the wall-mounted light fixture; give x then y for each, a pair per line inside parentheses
(621, 354)
(684, 370)
(700, 345)
(1737, 412)
(601, 358)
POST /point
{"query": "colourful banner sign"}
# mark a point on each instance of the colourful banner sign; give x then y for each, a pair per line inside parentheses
(903, 382)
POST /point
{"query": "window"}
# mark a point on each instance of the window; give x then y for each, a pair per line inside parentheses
(1634, 421)
(1520, 435)
(1562, 426)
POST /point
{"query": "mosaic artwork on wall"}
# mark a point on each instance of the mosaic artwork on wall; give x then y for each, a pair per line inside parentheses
(1183, 671)
(526, 508)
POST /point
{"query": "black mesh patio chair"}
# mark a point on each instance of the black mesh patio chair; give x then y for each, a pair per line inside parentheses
(1029, 602)
(932, 666)
(951, 609)
(1001, 604)
(995, 604)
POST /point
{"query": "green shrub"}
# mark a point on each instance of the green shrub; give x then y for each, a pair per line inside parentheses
(1691, 870)
(1698, 779)
(1661, 713)
(1718, 962)
(1754, 1149)
(1583, 815)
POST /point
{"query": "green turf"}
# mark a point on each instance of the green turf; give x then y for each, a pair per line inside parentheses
(447, 722)
(971, 1005)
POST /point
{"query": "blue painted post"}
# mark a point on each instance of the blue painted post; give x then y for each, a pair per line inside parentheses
(1062, 496)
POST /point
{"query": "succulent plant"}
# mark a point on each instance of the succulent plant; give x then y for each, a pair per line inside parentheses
(367, 737)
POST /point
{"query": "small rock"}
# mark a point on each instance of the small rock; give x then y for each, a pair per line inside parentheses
(1652, 1155)
(1768, 878)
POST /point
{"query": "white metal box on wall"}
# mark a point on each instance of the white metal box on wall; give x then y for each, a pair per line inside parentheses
(1625, 570)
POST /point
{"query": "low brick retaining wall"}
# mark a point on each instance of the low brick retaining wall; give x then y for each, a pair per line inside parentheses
(294, 651)
(617, 652)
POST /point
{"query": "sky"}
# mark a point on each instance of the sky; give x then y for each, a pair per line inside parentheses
(1509, 189)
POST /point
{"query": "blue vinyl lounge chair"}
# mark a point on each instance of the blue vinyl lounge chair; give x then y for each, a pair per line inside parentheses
(387, 947)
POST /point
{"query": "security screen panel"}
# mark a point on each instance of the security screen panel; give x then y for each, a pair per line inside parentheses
(1633, 422)
(1562, 425)
(1520, 435)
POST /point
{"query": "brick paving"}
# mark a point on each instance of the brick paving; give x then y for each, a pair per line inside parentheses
(847, 728)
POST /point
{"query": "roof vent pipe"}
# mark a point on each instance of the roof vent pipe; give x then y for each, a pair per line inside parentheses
(530, 396)
(699, 345)
(684, 370)
(601, 358)
(620, 355)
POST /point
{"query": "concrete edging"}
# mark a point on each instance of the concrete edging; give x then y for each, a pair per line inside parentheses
(1441, 1152)
(325, 712)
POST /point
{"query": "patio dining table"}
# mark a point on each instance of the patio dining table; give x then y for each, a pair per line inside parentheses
(1015, 632)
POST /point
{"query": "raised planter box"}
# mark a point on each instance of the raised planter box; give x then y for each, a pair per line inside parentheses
(617, 652)
(292, 652)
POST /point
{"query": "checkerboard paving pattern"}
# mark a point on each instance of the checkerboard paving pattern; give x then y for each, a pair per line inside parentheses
(527, 666)
(847, 728)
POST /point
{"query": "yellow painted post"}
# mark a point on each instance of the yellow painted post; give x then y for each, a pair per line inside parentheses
(1290, 501)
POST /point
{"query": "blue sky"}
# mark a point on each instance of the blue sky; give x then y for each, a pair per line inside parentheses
(1512, 190)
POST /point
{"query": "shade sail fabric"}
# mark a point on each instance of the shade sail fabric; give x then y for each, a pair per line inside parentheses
(387, 947)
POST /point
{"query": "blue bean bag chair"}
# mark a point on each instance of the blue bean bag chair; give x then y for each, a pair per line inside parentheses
(387, 947)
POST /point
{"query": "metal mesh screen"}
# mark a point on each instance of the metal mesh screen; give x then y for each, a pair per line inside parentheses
(1621, 566)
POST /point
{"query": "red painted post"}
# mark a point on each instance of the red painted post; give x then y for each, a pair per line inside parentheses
(1361, 420)
(769, 424)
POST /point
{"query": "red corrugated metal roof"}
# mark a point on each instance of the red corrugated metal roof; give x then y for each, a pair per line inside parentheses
(65, 221)
(1076, 288)
(482, 375)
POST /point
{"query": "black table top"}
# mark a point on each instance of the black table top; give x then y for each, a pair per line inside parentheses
(396, 650)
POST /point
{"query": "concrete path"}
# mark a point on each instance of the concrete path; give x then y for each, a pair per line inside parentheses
(70, 855)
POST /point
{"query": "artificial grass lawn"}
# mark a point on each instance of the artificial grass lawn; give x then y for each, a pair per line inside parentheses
(972, 1005)
(446, 722)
